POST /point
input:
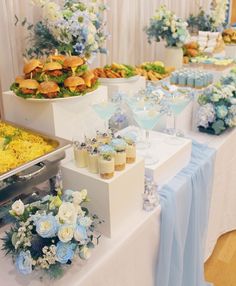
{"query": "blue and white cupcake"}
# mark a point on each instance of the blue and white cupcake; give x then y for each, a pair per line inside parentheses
(106, 161)
(130, 139)
(93, 157)
(81, 155)
(119, 146)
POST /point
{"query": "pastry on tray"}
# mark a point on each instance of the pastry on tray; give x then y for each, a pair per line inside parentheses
(115, 70)
(154, 71)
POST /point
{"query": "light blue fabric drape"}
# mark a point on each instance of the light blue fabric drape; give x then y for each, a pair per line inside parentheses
(185, 205)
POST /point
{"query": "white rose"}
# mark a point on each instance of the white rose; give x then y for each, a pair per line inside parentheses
(84, 193)
(18, 208)
(67, 213)
(79, 210)
(95, 46)
(66, 233)
(85, 221)
(80, 233)
(92, 29)
(167, 23)
(77, 198)
(175, 36)
(85, 253)
(90, 39)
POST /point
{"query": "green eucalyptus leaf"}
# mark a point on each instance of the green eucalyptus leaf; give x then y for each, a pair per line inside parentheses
(218, 126)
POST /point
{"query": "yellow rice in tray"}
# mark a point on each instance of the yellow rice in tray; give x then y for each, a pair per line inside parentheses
(22, 148)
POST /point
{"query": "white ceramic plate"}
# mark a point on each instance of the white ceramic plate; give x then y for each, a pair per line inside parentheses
(38, 100)
(118, 80)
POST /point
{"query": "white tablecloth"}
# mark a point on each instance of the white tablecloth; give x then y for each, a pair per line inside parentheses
(222, 210)
(130, 258)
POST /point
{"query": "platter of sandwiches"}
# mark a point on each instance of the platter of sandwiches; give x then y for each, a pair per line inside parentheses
(58, 77)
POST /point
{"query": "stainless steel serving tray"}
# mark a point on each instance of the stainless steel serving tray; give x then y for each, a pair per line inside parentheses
(59, 143)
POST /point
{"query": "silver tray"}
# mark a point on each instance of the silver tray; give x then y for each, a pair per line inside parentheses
(60, 145)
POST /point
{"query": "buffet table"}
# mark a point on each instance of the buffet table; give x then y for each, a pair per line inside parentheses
(222, 209)
(130, 258)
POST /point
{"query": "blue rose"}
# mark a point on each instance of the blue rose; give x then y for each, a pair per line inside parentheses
(67, 195)
(79, 48)
(65, 252)
(80, 233)
(47, 226)
(24, 262)
(221, 111)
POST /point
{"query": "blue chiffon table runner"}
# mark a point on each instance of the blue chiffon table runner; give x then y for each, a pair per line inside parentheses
(185, 203)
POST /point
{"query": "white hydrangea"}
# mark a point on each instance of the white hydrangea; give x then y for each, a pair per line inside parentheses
(219, 12)
(206, 114)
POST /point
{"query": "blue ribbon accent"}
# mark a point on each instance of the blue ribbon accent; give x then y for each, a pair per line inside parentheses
(185, 205)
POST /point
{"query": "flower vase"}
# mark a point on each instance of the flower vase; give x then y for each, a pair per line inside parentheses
(174, 57)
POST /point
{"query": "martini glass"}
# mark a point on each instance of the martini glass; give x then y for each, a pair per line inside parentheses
(105, 110)
(175, 104)
(147, 117)
(137, 101)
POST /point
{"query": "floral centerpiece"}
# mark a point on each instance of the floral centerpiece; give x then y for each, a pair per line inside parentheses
(50, 233)
(165, 25)
(75, 28)
(217, 110)
(213, 21)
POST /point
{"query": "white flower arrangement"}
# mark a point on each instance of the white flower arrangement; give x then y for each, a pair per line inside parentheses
(218, 13)
(217, 110)
(73, 27)
(213, 21)
(50, 233)
(167, 26)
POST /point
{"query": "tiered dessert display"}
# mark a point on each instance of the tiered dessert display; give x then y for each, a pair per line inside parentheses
(108, 165)
(57, 77)
(105, 154)
(154, 71)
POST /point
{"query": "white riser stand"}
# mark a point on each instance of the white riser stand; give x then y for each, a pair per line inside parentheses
(172, 158)
(114, 200)
(66, 118)
(130, 88)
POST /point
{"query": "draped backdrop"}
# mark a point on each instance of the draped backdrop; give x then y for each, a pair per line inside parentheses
(125, 18)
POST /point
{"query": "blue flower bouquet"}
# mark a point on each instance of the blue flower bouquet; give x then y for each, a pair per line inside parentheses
(167, 26)
(50, 233)
(74, 27)
(217, 110)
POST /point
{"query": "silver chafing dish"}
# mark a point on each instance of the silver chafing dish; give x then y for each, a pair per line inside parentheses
(22, 180)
